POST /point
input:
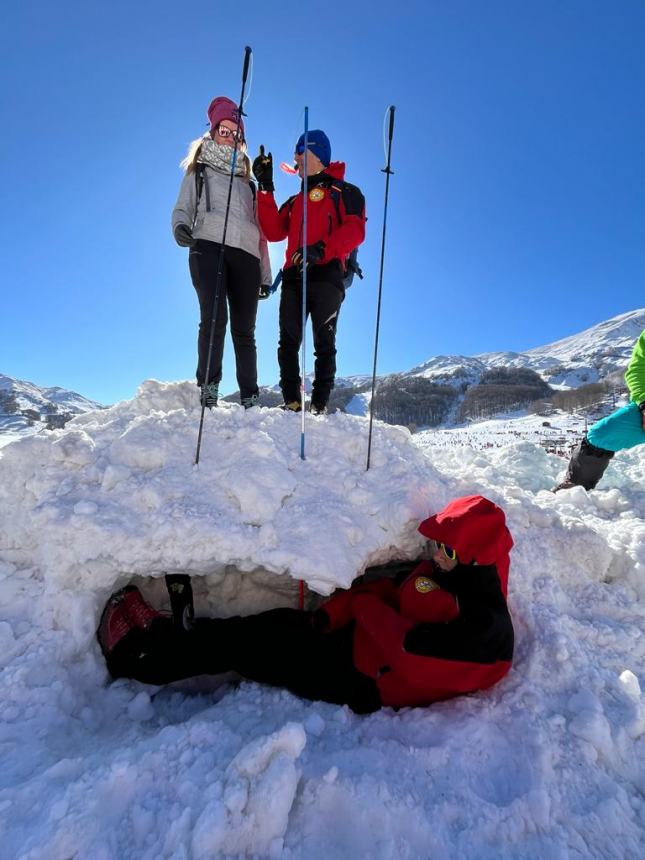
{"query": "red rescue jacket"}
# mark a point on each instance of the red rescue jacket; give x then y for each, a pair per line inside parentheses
(340, 234)
(437, 634)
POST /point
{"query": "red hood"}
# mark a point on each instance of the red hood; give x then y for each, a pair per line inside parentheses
(335, 169)
(476, 528)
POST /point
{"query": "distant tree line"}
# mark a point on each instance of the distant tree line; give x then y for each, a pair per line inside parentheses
(500, 390)
(50, 413)
(8, 403)
(575, 399)
(414, 401)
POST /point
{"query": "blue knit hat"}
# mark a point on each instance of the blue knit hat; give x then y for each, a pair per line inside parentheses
(318, 143)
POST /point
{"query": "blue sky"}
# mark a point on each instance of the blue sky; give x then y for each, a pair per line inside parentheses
(517, 208)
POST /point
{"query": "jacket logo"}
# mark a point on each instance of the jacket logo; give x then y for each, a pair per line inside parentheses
(316, 195)
(424, 585)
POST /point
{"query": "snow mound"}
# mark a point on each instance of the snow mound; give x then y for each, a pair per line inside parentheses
(116, 493)
(548, 763)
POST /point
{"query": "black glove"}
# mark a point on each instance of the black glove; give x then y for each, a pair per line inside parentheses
(263, 170)
(184, 236)
(310, 255)
(265, 291)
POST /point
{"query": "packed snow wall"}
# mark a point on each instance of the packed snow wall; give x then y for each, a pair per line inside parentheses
(116, 495)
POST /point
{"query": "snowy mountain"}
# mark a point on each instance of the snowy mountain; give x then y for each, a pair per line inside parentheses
(586, 357)
(448, 389)
(548, 763)
(26, 408)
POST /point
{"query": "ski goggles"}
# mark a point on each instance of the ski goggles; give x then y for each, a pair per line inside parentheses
(226, 132)
(449, 552)
(300, 147)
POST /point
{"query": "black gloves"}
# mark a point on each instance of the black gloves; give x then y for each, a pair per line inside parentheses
(184, 236)
(308, 255)
(263, 170)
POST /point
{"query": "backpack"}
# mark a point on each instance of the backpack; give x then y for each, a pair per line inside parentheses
(351, 266)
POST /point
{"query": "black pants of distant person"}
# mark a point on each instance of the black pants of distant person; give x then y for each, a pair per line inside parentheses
(240, 287)
(278, 647)
(325, 294)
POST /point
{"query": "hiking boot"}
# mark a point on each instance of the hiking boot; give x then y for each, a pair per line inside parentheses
(563, 485)
(139, 610)
(318, 408)
(292, 406)
(115, 622)
(250, 402)
(209, 394)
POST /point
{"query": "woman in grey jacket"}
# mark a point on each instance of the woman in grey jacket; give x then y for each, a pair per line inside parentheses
(198, 223)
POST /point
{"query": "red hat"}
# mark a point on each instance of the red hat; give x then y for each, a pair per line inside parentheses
(222, 108)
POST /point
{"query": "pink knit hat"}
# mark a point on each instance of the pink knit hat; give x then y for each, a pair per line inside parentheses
(222, 108)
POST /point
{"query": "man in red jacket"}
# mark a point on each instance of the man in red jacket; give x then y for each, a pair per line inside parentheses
(335, 227)
(438, 629)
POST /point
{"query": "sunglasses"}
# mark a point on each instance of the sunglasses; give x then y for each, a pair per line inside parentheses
(300, 148)
(225, 132)
(449, 552)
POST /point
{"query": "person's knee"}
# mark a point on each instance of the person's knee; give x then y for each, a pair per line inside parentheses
(243, 336)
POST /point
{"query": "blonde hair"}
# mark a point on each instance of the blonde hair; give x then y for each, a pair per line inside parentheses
(188, 163)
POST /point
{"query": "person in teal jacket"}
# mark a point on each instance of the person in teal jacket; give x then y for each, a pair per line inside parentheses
(623, 429)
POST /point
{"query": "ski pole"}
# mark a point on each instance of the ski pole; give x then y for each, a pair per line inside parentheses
(220, 262)
(305, 188)
(386, 170)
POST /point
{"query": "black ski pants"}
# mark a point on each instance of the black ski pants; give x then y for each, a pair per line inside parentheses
(278, 647)
(324, 298)
(240, 289)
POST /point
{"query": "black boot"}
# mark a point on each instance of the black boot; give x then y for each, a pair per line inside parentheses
(586, 467)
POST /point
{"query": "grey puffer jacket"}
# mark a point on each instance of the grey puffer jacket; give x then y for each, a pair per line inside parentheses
(242, 230)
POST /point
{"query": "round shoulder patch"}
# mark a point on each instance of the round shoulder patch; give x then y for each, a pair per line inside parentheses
(424, 584)
(317, 194)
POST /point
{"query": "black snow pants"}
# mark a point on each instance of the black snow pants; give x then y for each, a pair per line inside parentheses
(279, 647)
(587, 464)
(325, 294)
(240, 288)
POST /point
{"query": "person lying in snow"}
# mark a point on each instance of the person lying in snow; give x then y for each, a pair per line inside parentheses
(623, 429)
(439, 629)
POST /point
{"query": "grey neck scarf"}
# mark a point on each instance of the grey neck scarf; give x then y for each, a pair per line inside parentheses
(220, 157)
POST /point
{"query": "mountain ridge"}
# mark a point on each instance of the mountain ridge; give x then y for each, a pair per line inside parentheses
(570, 362)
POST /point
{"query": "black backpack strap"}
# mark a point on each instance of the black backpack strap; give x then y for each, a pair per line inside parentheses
(336, 191)
(200, 182)
(352, 264)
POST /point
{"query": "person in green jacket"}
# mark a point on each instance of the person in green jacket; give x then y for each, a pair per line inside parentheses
(623, 429)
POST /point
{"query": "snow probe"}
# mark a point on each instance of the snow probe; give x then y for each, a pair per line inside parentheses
(386, 170)
(305, 189)
(220, 263)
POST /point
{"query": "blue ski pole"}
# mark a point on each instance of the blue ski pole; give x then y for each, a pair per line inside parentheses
(305, 189)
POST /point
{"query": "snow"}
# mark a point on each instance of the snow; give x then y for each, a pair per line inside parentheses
(549, 763)
(30, 396)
